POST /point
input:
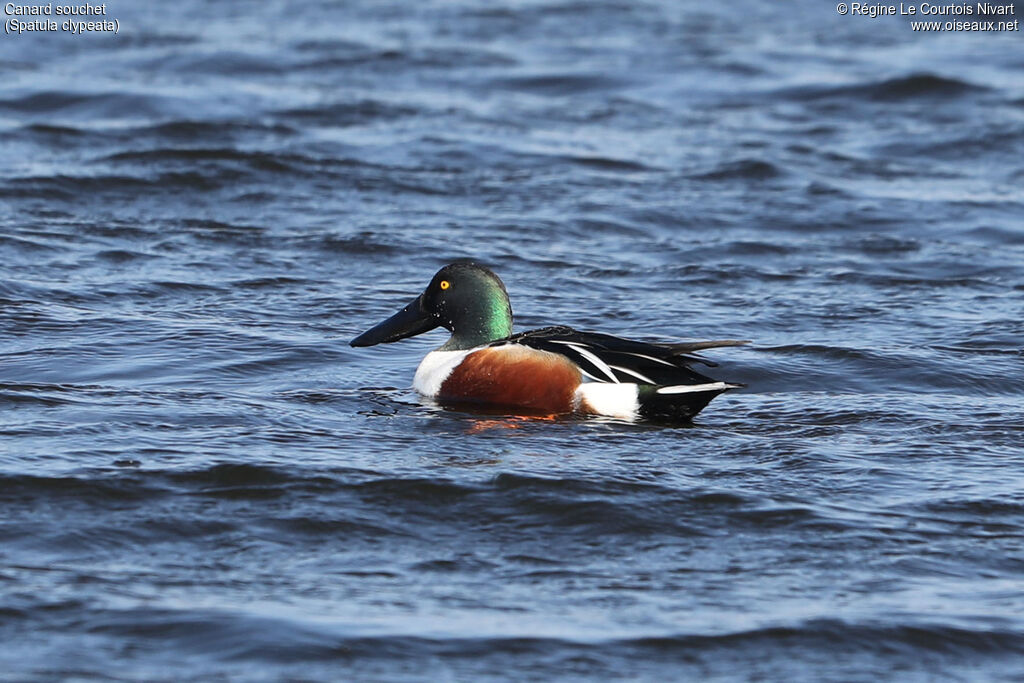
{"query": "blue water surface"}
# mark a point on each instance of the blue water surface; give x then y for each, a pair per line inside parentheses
(200, 479)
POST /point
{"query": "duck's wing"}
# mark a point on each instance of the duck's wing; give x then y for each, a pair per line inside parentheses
(606, 358)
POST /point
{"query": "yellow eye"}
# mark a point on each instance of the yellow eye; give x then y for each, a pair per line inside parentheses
(445, 284)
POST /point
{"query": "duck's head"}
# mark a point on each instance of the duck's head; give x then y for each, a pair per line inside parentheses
(465, 298)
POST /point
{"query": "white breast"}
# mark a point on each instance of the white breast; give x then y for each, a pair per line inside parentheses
(435, 368)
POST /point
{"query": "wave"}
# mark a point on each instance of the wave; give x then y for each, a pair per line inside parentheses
(911, 87)
(232, 63)
(893, 369)
(226, 636)
(111, 105)
(560, 84)
(345, 113)
(357, 56)
(609, 164)
(744, 169)
(415, 505)
(222, 131)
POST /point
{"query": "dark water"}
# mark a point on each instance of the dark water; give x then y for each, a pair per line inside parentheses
(200, 480)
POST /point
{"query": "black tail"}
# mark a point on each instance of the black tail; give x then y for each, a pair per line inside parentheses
(676, 407)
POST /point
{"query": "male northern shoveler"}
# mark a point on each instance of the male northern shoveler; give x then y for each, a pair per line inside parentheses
(550, 370)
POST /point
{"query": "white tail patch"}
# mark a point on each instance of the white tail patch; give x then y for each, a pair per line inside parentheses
(689, 388)
(604, 398)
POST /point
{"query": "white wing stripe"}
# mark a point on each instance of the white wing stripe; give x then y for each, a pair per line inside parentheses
(687, 388)
(597, 362)
(628, 353)
(652, 358)
(634, 373)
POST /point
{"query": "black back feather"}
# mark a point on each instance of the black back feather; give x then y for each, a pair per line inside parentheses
(606, 358)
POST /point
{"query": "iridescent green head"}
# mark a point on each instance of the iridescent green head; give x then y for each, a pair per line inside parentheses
(464, 298)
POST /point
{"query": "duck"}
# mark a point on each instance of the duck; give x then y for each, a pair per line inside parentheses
(552, 370)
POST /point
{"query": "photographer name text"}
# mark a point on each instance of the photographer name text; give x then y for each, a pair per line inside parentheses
(978, 16)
